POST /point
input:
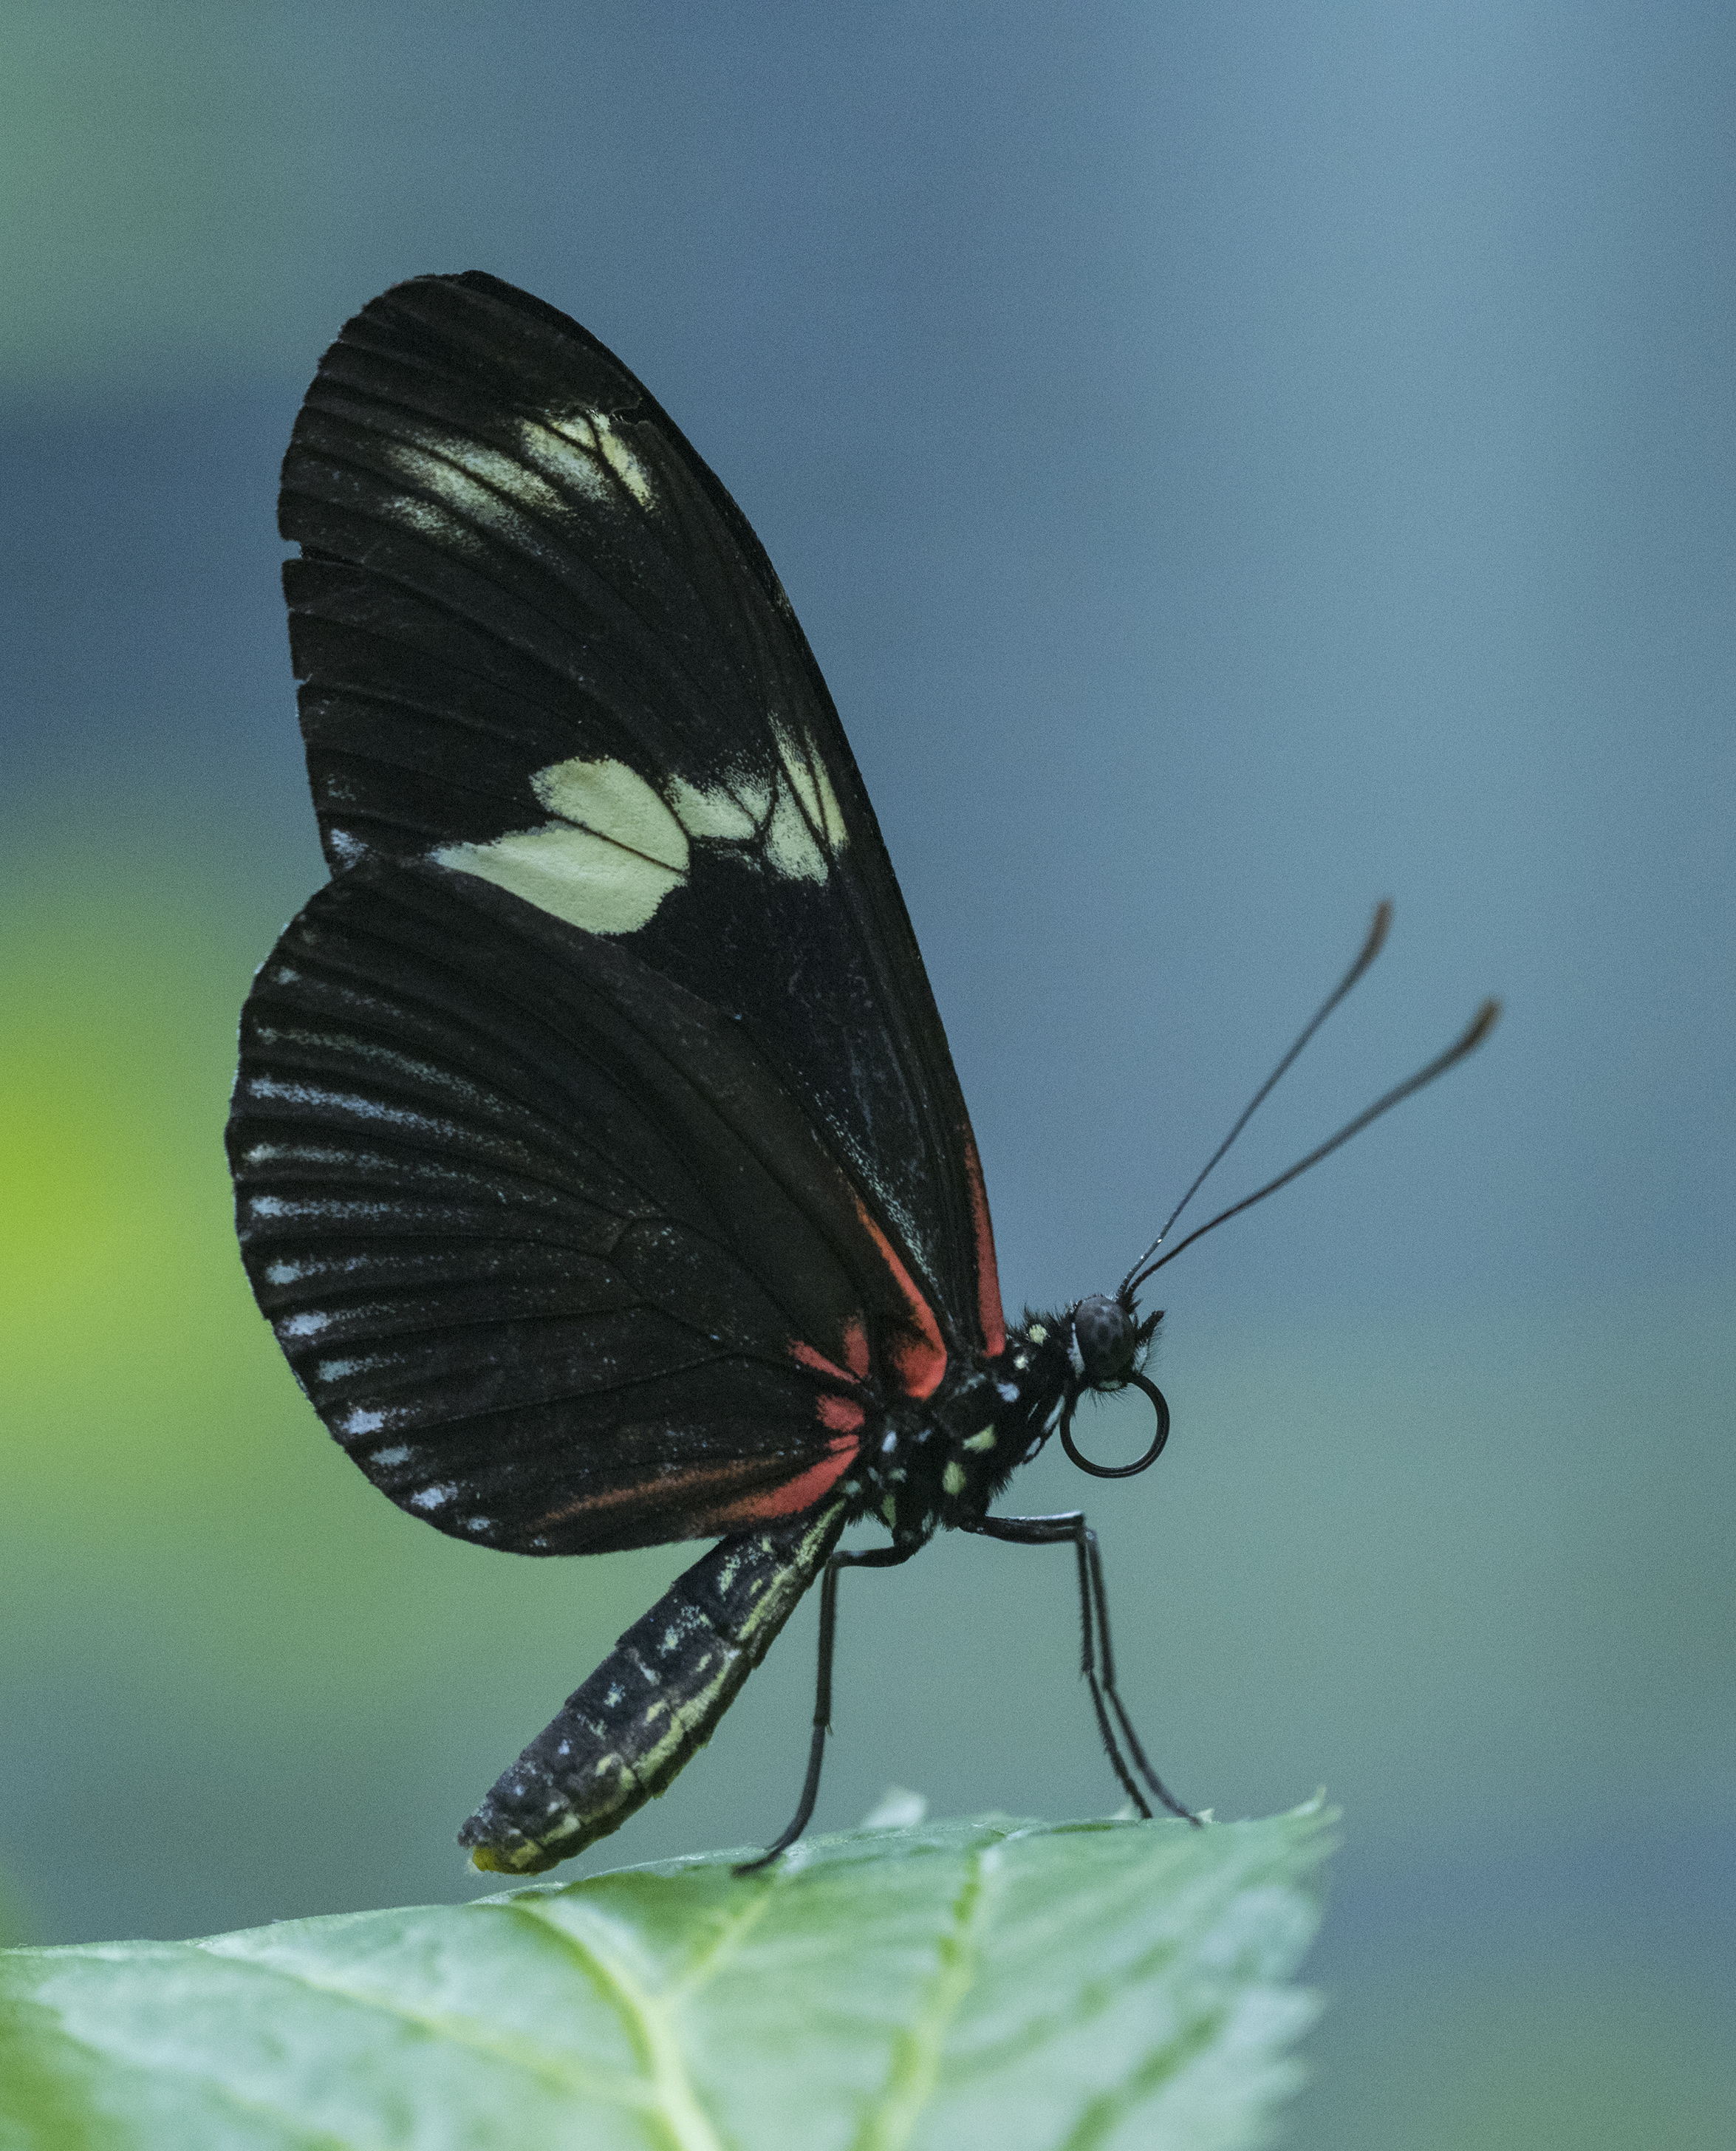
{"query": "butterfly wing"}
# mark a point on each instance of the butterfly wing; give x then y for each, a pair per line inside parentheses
(557, 1256)
(540, 646)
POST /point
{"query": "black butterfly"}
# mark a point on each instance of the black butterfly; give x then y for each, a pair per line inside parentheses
(599, 1160)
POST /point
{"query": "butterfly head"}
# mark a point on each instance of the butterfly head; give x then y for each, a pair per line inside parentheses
(1109, 1339)
(1107, 1348)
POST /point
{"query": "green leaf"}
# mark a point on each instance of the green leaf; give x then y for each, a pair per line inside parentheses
(938, 1986)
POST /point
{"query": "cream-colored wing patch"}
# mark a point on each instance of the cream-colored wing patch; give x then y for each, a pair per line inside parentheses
(814, 787)
(616, 802)
(605, 863)
(807, 823)
(735, 815)
(476, 488)
(564, 450)
(614, 848)
(621, 460)
(584, 450)
(485, 487)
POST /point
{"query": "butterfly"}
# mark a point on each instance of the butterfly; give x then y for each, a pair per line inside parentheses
(599, 1160)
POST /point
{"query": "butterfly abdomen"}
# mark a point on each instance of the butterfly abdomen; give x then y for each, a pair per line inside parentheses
(620, 1738)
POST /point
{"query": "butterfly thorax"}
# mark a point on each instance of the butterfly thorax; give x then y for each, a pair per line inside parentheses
(938, 1463)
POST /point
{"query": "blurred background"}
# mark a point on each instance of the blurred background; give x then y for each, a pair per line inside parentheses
(1233, 463)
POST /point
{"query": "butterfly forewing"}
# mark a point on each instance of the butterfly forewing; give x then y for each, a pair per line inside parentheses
(540, 647)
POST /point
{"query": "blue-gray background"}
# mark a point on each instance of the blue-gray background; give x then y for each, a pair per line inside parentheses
(1232, 463)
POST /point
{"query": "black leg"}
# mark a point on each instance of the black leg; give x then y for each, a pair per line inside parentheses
(875, 1558)
(1095, 1646)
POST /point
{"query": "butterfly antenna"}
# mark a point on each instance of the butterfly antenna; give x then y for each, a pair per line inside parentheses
(1370, 949)
(1475, 1031)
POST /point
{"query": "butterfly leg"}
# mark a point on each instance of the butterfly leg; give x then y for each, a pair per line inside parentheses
(875, 1558)
(1097, 1652)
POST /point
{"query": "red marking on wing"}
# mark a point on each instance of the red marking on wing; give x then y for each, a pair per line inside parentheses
(918, 1357)
(988, 1273)
(794, 1494)
(856, 1355)
(684, 1492)
(841, 1414)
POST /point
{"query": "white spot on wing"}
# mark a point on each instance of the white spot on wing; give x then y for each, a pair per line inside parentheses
(616, 802)
(340, 1370)
(790, 845)
(433, 1497)
(606, 864)
(721, 812)
(431, 520)
(472, 485)
(616, 847)
(565, 450)
(399, 1453)
(621, 460)
(813, 786)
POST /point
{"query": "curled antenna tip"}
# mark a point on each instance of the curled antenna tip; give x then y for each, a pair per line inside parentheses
(1380, 926)
(1479, 1028)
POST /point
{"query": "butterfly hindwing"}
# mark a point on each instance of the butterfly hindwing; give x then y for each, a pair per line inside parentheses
(540, 647)
(558, 1259)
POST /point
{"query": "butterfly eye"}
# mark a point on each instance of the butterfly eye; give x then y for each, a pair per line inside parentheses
(1107, 1337)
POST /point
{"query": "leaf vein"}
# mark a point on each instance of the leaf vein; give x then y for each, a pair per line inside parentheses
(916, 2052)
(648, 2020)
(465, 2031)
